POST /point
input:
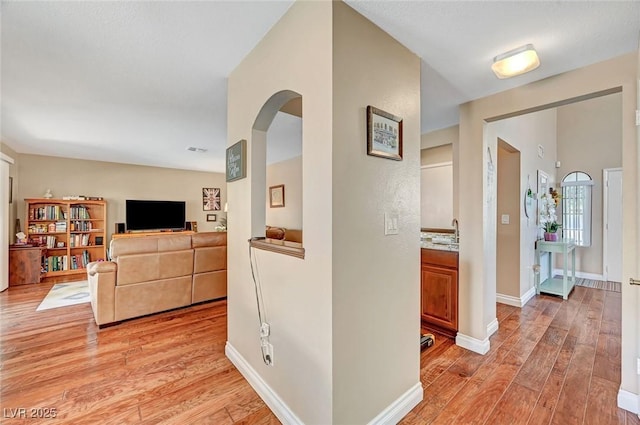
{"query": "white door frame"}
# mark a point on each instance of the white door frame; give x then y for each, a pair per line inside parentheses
(605, 219)
(5, 162)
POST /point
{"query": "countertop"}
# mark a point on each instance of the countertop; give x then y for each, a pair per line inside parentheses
(438, 246)
(427, 238)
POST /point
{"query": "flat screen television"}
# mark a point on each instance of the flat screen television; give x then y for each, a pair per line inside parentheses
(155, 215)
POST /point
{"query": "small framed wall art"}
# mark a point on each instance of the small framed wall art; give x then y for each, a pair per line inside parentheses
(276, 196)
(384, 134)
(210, 199)
(237, 161)
(212, 217)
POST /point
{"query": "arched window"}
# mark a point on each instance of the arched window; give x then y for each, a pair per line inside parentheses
(576, 207)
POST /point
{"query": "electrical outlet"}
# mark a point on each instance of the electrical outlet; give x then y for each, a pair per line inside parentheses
(267, 351)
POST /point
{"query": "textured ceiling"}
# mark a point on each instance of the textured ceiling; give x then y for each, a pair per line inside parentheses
(140, 82)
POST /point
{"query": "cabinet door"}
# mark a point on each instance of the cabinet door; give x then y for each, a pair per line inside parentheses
(440, 296)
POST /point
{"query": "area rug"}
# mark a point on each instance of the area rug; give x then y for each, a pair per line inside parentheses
(599, 284)
(66, 294)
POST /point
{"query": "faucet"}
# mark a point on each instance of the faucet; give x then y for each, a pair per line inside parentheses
(456, 234)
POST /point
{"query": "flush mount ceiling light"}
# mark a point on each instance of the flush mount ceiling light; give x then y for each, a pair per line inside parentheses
(515, 62)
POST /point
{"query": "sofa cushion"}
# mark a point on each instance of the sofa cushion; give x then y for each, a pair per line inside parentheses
(210, 259)
(151, 297)
(149, 244)
(209, 239)
(138, 268)
(209, 286)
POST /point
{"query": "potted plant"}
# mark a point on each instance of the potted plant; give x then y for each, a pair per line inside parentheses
(548, 218)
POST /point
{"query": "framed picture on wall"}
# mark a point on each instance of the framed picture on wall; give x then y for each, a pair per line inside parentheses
(212, 217)
(211, 199)
(384, 134)
(543, 187)
(276, 196)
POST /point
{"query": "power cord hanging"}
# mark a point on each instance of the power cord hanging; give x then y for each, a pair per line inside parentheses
(265, 331)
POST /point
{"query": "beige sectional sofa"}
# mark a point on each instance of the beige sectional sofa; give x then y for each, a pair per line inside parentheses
(149, 274)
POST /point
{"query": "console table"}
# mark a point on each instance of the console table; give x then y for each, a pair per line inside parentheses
(549, 284)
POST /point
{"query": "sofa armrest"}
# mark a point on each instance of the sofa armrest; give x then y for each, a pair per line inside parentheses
(102, 287)
(101, 267)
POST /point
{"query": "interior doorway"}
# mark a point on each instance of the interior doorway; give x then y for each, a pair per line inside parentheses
(508, 224)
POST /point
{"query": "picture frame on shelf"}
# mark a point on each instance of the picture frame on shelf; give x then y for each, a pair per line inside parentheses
(384, 134)
(210, 199)
(276, 196)
(212, 217)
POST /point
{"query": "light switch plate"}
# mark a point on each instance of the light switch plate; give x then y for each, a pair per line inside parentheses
(505, 219)
(391, 223)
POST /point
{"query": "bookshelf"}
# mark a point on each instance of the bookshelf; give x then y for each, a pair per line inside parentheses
(72, 231)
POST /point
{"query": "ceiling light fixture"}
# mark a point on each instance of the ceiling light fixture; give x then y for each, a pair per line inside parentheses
(515, 62)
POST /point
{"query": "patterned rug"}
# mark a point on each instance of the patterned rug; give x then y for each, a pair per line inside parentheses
(66, 294)
(599, 284)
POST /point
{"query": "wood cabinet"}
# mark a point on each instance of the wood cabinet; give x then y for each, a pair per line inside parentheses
(25, 264)
(439, 294)
(73, 231)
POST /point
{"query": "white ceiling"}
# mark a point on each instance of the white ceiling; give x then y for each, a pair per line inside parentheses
(141, 81)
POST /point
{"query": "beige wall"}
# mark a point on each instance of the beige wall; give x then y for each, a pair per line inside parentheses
(589, 140)
(344, 290)
(376, 280)
(436, 155)
(116, 183)
(295, 55)
(289, 173)
(524, 133)
(445, 136)
(508, 234)
(449, 135)
(619, 73)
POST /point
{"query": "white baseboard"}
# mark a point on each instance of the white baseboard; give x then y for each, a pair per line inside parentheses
(470, 343)
(581, 275)
(515, 301)
(391, 415)
(275, 403)
(399, 408)
(492, 327)
(628, 401)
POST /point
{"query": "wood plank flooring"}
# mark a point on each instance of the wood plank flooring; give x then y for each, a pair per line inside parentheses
(168, 368)
(551, 362)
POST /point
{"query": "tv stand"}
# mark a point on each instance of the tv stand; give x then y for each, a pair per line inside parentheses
(157, 233)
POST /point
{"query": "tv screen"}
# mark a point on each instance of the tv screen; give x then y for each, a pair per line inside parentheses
(155, 215)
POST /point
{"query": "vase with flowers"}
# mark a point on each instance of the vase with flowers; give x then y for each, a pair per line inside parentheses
(548, 217)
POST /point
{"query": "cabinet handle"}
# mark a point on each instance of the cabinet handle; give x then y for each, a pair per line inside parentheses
(633, 281)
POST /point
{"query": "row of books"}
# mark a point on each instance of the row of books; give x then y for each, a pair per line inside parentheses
(58, 226)
(49, 212)
(80, 239)
(56, 263)
(81, 226)
(82, 198)
(79, 211)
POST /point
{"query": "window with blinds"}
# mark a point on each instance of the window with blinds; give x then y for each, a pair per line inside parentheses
(576, 207)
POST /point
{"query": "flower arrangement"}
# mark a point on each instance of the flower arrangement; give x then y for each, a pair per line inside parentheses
(548, 217)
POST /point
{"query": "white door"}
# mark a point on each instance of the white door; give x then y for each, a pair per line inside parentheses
(612, 224)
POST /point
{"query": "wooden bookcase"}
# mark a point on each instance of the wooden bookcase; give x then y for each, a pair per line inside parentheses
(73, 231)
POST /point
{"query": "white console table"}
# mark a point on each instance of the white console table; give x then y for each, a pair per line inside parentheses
(556, 286)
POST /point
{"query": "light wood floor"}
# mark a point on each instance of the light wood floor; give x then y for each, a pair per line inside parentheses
(552, 362)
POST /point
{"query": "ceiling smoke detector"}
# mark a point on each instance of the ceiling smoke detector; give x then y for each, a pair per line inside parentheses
(199, 150)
